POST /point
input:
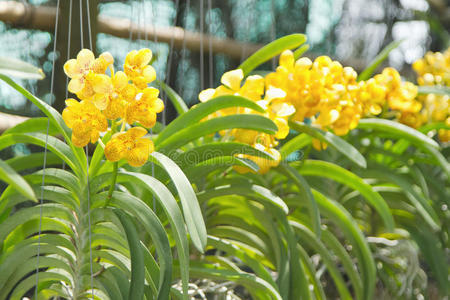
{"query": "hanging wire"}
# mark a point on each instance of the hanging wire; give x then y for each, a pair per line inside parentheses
(69, 35)
(211, 58)
(273, 32)
(169, 63)
(131, 25)
(183, 49)
(86, 148)
(52, 80)
(202, 21)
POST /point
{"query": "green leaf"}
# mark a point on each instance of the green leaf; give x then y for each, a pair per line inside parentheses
(152, 226)
(137, 258)
(20, 69)
(8, 175)
(202, 110)
(249, 281)
(300, 51)
(243, 121)
(367, 73)
(339, 174)
(33, 160)
(271, 50)
(170, 206)
(54, 117)
(305, 190)
(53, 144)
(397, 129)
(336, 142)
(33, 125)
(309, 238)
(439, 90)
(191, 208)
(177, 101)
(217, 149)
(294, 144)
(420, 203)
(338, 214)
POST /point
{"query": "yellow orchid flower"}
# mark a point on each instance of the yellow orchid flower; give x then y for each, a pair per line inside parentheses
(138, 69)
(85, 120)
(81, 69)
(144, 107)
(130, 145)
(112, 94)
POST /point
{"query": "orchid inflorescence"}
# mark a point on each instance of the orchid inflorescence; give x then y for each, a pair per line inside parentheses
(327, 95)
(122, 97)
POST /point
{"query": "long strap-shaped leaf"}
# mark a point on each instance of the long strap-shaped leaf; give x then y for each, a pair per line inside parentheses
(137, 258)
(339, 174)
(54, 117)
(336, 142)
(243, 121)
(336, 213)
(152, 226)
(173, 212)
(189, 202)
(202, 110)
(271, 50)
(8, 175)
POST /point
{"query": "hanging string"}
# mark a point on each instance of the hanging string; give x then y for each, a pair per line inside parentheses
(183, 49)
(169, 63)
(131, 26)
(69, 34)
(273, 33)
(202, 83)
(41, 204)
(86, 148)
(211, 58)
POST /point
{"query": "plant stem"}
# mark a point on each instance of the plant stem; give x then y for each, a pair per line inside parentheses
(113, 183)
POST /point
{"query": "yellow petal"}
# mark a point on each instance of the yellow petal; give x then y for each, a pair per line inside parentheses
(275, 93)
(75, 85)
(158, 106)
(107, 57)
(129, 59)
(150, 93)
(114, 149)
(253, 84)
(101, 83)
(80, 141)
(232, 79)
(71, 68)
(136, 132)
(287, 59)
(120, 80)
(85, 58)
(101, 101)
(137, 156)
(143, 57)
(149, 74)
(205, 95)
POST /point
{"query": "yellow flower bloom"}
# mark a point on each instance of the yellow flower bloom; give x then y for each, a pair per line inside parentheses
(138, 69)
(81, 69)
(144, 107)
(85, 120)
(130, 145)
(112, 94)
(253, 87)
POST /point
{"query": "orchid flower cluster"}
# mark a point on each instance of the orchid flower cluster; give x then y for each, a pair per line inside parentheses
(434, 70)
(122, 97)
(328, 95)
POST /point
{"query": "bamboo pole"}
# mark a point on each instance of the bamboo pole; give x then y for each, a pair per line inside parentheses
(20, 14)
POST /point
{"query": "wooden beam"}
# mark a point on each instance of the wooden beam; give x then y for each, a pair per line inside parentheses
(23, 15)
(8, 121)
